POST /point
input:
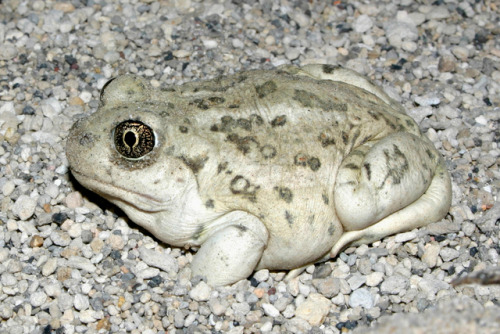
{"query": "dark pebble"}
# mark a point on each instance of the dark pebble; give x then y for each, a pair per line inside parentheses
(473, 251)
(254, 282)
(70, 60)
(28, 110)
(59, 217)
(155, 281)
(349, 325)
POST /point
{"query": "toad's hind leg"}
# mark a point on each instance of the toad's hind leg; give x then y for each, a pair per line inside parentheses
(394, 185)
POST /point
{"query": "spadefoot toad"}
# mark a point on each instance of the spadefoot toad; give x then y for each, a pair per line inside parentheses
(271, 169)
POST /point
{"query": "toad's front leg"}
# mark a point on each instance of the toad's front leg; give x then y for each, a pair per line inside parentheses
(233, 249)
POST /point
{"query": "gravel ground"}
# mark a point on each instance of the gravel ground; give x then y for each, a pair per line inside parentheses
(72, 263)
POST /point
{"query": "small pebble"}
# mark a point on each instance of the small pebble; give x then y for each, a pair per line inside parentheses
(314, 309)
(361, 297)
(24, 207)
(38, 299)
(270, 310)
(201, 292)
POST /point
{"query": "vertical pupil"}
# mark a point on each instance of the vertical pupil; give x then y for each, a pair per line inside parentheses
(130, 139)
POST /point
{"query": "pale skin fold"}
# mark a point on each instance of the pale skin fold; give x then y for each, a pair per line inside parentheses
(271, 169)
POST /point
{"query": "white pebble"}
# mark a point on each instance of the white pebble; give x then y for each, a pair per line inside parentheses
(363, 23)
(60, 238)
(82, 263)
(361, 297)
(86, 287)
(237, 43)
(8, 188)
(81, 302)
(8, 279)
(38, 298)
(86, 96)
(162, 260)
(148, 273)
(481, 120)
(403, 237)
(24, 207)
(374, 278)
(210, 43)
(87, 316)
(314, 309)
(261, 275)
(270, 310)
(431, 254)
(425, 101)
(201, 292)
(49, 267)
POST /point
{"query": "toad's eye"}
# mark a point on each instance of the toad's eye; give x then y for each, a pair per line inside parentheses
(134, 139)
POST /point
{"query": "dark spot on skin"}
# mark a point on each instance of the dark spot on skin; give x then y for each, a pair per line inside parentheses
(345, 137)
(215, 100)
(268, 151)
(200, 104)
(331, 229)
(256, 119)
(285, 194)
(266, 88)
(326, 140)
(374, 115)
(195, 164)
(352, 166)
(198, 232)
(207, 103)
(314, 164)
(278, 121)
(228, 124)
(245, 124)
(364, 140)
(241, 186)
(241, 228)
(183, 129)
(430, 154)
(311, 100)
(325, 198)
(411, 124)
(355, 136)
(209, 204)
(243, 144)
(221, 167)
(329, 69)
(398, 165)
(86, 139)
(233, 106)
(368, 170)
(289, 218)
(164, 114)
(300, 159)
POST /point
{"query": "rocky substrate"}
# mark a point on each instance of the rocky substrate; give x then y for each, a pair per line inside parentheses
(72, 263)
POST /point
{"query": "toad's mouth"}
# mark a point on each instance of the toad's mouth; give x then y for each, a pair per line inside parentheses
(122, 197)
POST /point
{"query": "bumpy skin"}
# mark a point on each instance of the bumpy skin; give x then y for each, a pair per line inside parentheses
(262, 169)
